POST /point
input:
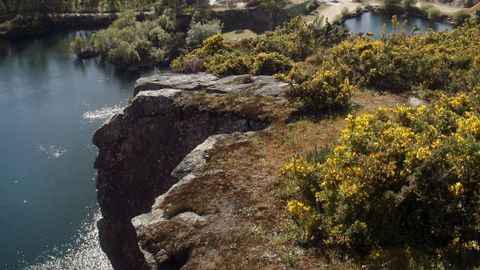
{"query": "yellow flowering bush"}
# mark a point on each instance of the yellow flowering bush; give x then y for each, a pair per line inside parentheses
(326, 90)
(399, 178)
(270, 63)
(437, 60)
(294, 40)
(270, 53)
(227, 63)
(214, 46)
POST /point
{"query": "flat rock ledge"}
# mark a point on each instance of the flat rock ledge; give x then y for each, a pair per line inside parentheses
(260, 85)
(158, 143)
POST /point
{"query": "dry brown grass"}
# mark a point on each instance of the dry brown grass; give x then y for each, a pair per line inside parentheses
(244, 199)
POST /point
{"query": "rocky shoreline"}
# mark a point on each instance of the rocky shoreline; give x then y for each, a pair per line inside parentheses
(158, 143)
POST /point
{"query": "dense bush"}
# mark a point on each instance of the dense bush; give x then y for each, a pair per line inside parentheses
(432, 12)
(294, 40)
(227, 63)
(327, 90)
(460, 17)
(400, 179)
(271, 53)
(199, 31)
(215, 51)
(270, 63)
(128, 41)
(436, 60)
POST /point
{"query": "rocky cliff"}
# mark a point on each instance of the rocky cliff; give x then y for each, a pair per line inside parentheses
(162, 139)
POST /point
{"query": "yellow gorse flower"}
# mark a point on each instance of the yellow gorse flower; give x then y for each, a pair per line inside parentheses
(457, 189)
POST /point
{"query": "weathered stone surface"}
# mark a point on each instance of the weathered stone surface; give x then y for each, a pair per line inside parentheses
(187, 171)
(140, 150)
(261, 85)
(176, 81)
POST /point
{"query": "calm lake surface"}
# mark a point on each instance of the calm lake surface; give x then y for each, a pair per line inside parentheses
(374, 22)
(50, 105)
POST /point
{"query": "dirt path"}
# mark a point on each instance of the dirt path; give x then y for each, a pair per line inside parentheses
(334, 8)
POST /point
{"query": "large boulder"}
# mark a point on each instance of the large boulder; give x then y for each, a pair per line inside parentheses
(169, 117)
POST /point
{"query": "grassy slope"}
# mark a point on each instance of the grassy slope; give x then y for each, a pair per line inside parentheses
(251, 228)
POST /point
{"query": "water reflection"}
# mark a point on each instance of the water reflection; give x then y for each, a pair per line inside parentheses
(375, 22)
(50, 105)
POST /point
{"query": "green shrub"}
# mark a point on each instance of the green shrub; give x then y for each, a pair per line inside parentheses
(270, 63)
(128, 41)
(401, 179)
(399, 62)
(78, 45)
(123, 53)
(327, 90)
(294, 40)
(213, 45)
(433, 13)
(198, 32)
(266, 54)
(460, 17)
(227, 63)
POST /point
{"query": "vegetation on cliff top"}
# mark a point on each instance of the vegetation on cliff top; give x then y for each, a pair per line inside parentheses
(271, 53)
(399, 185)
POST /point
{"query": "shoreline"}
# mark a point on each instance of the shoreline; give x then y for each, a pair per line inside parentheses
(38, 23)
(332, 11)
(413, 12)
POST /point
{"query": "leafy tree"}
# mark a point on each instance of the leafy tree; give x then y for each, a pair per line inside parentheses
(460, 17)
(198, 32)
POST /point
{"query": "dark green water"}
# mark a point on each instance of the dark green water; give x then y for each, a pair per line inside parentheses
(375, 21)
(50, 105)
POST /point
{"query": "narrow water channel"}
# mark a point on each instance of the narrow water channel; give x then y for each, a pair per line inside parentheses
(50, 105)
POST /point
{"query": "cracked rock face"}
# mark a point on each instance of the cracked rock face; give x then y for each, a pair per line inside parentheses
(147, 148)
(153, 226)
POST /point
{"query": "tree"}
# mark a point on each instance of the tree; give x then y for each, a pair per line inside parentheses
(460, 17)
(273, 6)
(199, 32)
